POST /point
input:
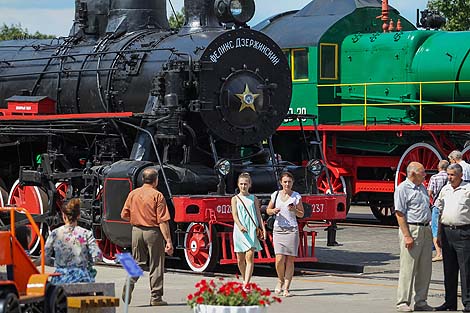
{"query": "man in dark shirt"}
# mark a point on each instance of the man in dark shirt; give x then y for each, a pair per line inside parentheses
(146, 210)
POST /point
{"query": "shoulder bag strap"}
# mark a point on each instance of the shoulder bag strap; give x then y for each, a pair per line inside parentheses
(256, 224)
(275, 198)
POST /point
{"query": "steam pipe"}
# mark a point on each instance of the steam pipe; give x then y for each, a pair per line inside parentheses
(91, 18)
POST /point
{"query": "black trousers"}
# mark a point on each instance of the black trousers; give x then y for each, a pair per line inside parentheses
(456, 256)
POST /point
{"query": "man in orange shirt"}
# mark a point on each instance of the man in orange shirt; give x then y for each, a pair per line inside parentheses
(146, 210)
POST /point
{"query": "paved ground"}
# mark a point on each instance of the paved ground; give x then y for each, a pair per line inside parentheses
(373, 248)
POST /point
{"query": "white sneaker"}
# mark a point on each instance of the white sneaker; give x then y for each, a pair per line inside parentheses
(404, 308)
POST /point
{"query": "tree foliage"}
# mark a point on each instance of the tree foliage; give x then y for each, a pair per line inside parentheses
(177, 22)
(455, 11)
(14, 32)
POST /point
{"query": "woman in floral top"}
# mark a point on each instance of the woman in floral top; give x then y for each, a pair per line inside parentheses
(74, 248)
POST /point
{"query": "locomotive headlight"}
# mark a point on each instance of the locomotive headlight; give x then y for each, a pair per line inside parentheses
(315, 167)
(234, 11)
(236, 8)
(223, 166)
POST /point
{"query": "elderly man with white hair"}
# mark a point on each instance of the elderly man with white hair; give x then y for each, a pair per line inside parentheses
(412, 211)
(457, 157)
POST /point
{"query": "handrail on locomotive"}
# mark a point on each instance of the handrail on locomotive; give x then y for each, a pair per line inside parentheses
(389, 102)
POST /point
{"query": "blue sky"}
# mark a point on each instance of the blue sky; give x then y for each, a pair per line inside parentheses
(55, 16)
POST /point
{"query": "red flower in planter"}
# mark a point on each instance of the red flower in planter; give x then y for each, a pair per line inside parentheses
(230, 293)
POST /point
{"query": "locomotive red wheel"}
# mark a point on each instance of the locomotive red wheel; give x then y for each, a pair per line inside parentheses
(34, 200)
(61, 194)
(339, 184)
(109, 249)
(421, 152)
(200, 252)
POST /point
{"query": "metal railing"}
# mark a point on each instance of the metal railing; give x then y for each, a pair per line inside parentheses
(405, 101)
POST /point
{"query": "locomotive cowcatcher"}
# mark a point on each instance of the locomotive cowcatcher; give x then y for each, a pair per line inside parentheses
(84, 115)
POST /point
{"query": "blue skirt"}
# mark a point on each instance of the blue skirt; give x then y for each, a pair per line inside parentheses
(73, 275)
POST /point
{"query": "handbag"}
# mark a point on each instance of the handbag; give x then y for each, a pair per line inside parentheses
(259, 230)
(272, 218)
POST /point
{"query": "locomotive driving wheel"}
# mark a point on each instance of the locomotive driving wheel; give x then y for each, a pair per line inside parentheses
(61, 194)
(200, 252)
(339, 184)
(384, 211)
(421, 152)
(33, 199)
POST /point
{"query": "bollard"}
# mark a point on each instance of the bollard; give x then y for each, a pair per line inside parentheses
(331, 235)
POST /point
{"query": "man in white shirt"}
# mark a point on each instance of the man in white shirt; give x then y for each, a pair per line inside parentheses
(454, 204)
(456, 157)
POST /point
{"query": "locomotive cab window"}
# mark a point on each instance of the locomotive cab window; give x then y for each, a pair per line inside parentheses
(328, 61)
(299, 64)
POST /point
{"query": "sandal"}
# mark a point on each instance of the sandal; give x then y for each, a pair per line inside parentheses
(287, 293)
(278, 289)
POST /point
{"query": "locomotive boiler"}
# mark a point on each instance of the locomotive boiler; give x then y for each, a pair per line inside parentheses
(84, 115)
(385, 92)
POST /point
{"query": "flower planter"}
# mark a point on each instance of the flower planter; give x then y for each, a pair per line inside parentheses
(203, 308)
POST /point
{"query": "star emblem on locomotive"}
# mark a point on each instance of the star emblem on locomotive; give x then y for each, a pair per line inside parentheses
(247, 98)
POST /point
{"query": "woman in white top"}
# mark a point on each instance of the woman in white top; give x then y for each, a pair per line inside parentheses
(287, 205)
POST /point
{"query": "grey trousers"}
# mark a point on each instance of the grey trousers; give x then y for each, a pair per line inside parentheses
(415, 266)
(148, 247)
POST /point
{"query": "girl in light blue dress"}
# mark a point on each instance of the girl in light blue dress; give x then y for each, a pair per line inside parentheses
(246, 217)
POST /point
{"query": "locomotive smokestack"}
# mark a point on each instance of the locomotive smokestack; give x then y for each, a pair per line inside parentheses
(91, 18)
(199, 14)
(132, 15)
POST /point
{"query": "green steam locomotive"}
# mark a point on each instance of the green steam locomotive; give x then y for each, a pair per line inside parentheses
(385, 93)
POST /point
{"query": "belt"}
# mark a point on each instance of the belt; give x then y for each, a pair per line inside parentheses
(419, 224)
(457, 226)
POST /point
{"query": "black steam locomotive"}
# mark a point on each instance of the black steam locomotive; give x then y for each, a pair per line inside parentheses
(83, 115)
